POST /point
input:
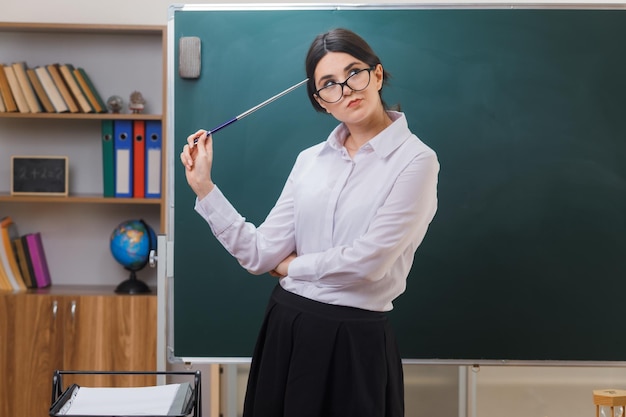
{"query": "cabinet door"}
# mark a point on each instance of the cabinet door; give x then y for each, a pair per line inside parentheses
(111, 333)
(7, 311)
(31, 336)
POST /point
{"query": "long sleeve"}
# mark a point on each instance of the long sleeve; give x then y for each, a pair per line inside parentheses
(258, 250)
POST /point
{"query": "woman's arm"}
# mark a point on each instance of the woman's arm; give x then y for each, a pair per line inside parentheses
(257, 249)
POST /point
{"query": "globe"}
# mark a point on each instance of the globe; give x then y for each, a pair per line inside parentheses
(131, 243)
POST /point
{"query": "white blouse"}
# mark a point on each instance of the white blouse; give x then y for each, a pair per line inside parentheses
(355, 223)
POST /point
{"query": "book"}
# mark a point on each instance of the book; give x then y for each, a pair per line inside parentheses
(38, 259)
(8, 232)
(39, 90)
(51, 90)
(90, 91)
(55, 73)
(2, 108)
(5, 284)
(68, 75)
(139, 158)
(27, 88)
(16, 90)
(23, 261)
(5, 91)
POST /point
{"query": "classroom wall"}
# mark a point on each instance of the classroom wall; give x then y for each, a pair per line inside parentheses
(493, 391)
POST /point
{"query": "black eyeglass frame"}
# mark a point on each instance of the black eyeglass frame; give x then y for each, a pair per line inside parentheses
(345, 84)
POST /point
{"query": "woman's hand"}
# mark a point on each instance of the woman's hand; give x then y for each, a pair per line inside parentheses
(282, 269)
(197, 158)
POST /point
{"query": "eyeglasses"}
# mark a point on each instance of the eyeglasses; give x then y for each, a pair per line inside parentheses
(358, 81)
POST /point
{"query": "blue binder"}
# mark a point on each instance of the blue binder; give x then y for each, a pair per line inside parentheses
(154, 149)
(123, 158)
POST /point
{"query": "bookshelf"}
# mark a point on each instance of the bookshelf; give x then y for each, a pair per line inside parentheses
(119, 59)
(78, 322)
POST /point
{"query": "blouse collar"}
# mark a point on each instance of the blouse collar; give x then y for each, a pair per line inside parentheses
(384, 143)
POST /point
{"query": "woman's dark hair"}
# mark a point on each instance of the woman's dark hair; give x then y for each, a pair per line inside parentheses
(338, 40)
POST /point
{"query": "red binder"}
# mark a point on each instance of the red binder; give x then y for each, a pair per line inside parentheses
(139, 158)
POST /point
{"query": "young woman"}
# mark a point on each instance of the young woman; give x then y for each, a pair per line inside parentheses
(341, 240)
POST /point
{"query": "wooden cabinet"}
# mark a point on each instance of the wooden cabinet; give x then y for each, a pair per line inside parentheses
(71, 328)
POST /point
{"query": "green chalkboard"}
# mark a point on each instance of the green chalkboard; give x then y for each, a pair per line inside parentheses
(526, 108)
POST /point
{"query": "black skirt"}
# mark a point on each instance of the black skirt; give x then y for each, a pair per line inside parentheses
(318, 360)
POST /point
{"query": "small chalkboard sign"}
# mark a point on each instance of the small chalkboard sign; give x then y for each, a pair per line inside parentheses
(39, 175)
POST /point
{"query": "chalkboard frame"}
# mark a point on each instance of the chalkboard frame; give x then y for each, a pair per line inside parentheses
(49, 186)
(472, 331)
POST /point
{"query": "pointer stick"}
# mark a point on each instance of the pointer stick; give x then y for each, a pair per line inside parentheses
(253, 109)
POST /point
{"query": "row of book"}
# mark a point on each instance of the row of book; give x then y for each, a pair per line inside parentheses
(132, 158)
(54, 88)
(23, 261)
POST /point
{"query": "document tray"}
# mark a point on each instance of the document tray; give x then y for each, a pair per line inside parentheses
(182, 404)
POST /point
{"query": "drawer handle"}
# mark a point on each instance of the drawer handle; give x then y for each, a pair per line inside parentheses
(73, 309)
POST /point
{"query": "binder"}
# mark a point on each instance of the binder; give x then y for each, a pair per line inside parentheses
(139, 157)
(123, 145)
(108, 160)
(154, 148)
(187, 398)
(38, 259)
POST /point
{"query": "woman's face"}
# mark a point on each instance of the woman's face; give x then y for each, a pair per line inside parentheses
(354, 106)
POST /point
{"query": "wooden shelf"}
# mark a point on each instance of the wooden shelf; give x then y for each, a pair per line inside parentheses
(81, 28)
(83, 290)
(78, 199)
(83, 116)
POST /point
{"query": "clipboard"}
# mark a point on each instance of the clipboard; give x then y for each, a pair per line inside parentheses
(62, 398)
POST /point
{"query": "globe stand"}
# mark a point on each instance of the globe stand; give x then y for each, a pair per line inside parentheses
(132, 286)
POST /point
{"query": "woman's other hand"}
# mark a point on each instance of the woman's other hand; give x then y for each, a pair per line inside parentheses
(282, 269)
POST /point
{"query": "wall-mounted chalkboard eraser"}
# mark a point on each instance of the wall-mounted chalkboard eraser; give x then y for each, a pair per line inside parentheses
(189, 57)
